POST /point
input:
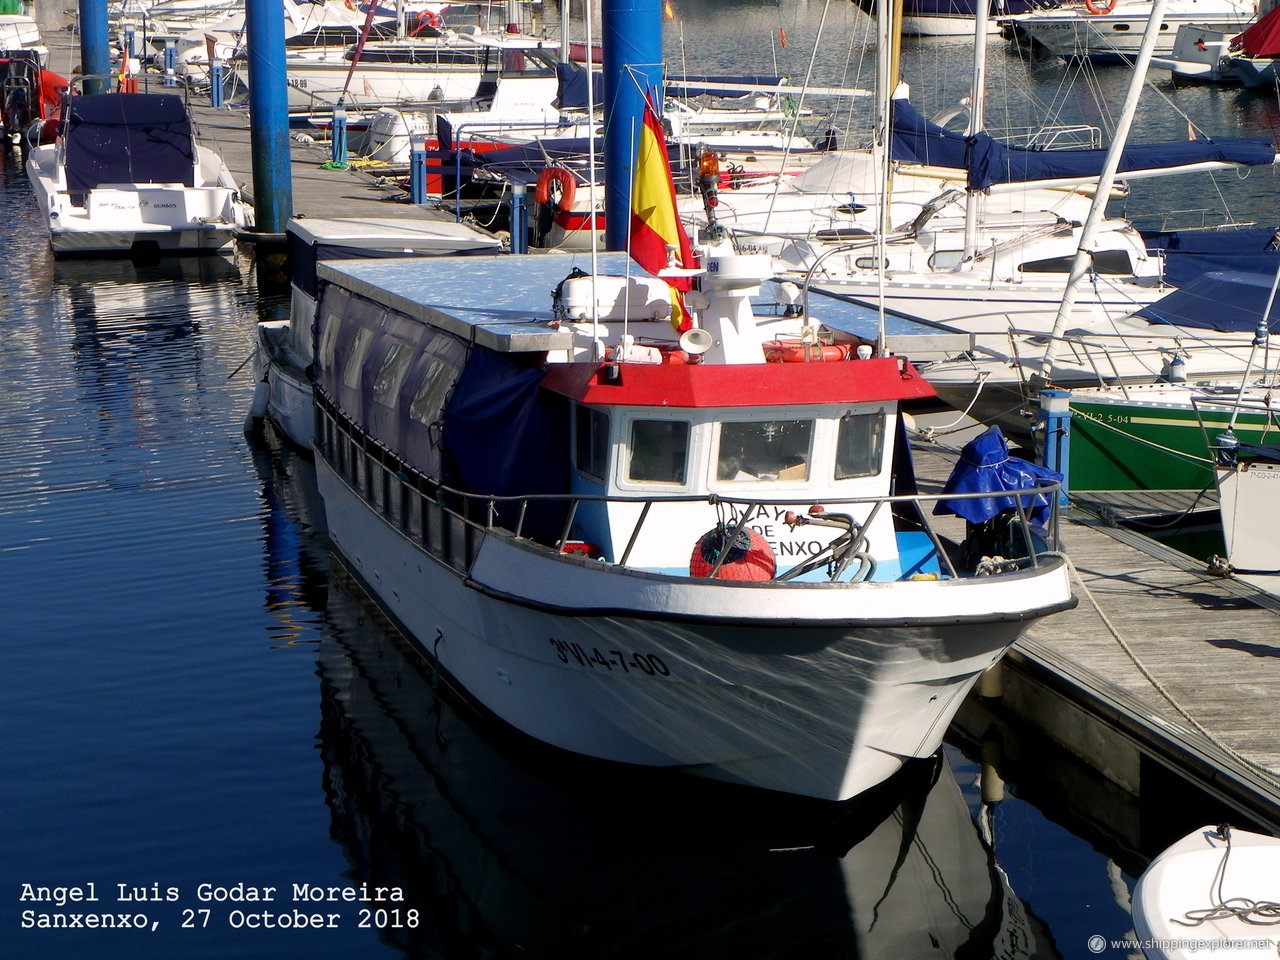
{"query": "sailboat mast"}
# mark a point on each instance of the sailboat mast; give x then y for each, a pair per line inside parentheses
(1097, 210)
(889, 27)
(977, 120)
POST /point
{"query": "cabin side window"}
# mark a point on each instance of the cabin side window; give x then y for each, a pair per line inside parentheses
(355, 358)
(591, 442)
(386, 386)
(752, 451)
(659, 451)
(1111, 262)
(859, 445)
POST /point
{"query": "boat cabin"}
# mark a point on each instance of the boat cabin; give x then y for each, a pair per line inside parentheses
(449, 382)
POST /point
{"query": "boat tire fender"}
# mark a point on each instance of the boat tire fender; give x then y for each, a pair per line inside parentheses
(542, 194)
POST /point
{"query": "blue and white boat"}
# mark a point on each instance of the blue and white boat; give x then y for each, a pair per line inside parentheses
(703, 551)
(126, 175)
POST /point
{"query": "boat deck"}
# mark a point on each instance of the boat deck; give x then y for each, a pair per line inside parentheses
(1180, 664)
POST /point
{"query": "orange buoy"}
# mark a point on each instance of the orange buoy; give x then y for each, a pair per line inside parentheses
(748, 557)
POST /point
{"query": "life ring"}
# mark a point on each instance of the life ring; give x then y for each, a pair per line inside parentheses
(558, 175)
(426, 19)
(1097, 9)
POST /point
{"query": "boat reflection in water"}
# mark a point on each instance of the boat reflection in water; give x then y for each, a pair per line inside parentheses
(507, 848)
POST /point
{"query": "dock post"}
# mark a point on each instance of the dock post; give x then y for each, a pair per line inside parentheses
(269, 117)
(338, 138)
(95, 48)
(215, 84)
(520, 218)
(1054, 417)
(170, 64)
(417, 172)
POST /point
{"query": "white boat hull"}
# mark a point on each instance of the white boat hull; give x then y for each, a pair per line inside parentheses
(673, 671)
(1184, 878)
(286, 390)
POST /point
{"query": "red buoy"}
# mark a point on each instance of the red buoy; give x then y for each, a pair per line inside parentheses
(748, 557)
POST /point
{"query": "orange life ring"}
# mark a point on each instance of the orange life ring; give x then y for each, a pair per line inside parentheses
(1106, 6)
(558, 175)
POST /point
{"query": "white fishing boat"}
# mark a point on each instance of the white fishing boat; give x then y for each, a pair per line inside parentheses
(126, 175)
(1216, 892)
(694, 553)
(1111, 30)
(283, 353)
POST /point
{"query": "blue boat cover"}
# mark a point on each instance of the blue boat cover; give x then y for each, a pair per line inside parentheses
(128, 138)
(1221, 300)
(504, 436)
(985, 465)
(1190, 253)
(915, 139)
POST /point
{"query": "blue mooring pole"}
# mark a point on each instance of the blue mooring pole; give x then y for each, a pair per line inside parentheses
(632, 63)
(417, 172)
(217, 80)
(1054, 415)
(519, 218)
(338, 138)
(269, 117)
(95, 47)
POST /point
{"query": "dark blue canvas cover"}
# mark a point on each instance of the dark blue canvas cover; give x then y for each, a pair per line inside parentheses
(915, 139)
(504, 436)
(128, 138)
(985, 465)
(1190, 253)
(1221, 300)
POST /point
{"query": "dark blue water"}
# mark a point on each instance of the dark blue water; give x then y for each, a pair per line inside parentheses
(194, 695)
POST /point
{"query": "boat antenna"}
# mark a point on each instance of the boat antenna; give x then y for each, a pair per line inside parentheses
(888, 22)
(1084, 255)
(592, 187)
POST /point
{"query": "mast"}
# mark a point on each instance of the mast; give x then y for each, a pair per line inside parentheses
(977, 120)
(1084, 255)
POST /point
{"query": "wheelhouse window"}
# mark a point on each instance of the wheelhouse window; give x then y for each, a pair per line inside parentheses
(659, 451)
(859, 445)
(591, 442)
(386, 386)
(764, 450)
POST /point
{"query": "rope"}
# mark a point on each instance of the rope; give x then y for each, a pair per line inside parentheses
(1260, 913)
(1263, 772)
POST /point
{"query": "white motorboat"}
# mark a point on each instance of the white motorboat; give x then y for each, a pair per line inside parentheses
(449, 68)
(126, 175)
(690, 551)
(1206, 53)
(283, 354)
(1111, 30)
(19, 30)
(1216, 892)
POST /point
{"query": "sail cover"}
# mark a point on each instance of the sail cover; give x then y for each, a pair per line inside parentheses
(915, 139)
(128, 138)
(1225, 301)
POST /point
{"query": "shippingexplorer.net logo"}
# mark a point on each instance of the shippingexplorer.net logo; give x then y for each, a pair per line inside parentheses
(1099, 944)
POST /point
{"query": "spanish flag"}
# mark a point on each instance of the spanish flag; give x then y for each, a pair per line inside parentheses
(666, 10)
(655, 224)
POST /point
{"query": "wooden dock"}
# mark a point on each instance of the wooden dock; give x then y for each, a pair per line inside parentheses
(1160, 658)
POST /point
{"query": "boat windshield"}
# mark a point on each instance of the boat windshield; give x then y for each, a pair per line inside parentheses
(764, 450)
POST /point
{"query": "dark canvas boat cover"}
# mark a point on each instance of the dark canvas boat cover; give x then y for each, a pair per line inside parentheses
(1261, 39)
(1190, 253)
(915, 139)
(1220, 300)
(128, 138)
(985, 466)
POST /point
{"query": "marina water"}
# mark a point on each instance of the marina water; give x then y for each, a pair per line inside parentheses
(214, 742)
